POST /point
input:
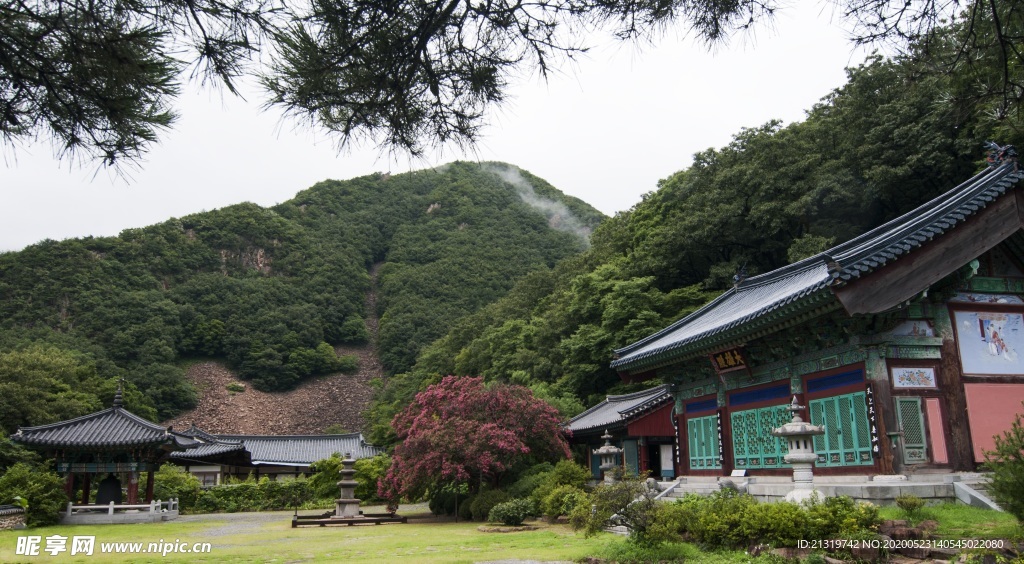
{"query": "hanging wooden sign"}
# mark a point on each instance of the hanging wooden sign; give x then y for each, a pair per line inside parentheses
(728, 360)
(721, 441)
(869, 396)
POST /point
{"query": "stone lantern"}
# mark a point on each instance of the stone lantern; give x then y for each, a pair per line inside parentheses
(347, 506)
(608, 454)
(799, 436)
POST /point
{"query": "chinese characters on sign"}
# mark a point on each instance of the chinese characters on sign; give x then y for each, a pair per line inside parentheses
(721, 443)
(728, 360)
(869, 396)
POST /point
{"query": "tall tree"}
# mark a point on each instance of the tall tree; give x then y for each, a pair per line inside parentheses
(100, 77)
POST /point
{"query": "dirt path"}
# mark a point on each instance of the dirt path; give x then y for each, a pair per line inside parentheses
(314, 405)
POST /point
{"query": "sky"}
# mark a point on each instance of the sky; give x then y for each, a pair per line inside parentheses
(604, 130)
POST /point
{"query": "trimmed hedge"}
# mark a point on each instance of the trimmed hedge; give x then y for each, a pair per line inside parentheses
(252, 495)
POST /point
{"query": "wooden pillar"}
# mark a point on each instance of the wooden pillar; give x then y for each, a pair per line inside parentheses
(69, 484)
(133, 487)
(877, 374)
(86, 486)
(960, 449)
(728, 463)
(149, 485)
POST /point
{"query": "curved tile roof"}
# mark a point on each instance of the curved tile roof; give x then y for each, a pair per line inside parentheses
(616, 411)
(301, 450)
(805, 284)
(901, 236)
(110, 428)
(751, 299)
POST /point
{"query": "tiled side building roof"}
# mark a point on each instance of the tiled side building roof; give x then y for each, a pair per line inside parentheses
(806, 287)
(303, 449)
(616, 411)
(283, 450)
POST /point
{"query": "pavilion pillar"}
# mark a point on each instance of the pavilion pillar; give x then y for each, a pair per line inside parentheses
(86, 486)
(133, 487)
(69, 484)
(149, 485)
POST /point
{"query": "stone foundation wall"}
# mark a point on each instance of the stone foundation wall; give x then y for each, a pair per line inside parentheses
(16, 520)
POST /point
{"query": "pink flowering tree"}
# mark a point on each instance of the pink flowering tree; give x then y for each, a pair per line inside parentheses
(462, 431)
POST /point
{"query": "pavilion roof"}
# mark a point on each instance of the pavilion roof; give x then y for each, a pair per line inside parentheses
(762, 301)
(111, 428)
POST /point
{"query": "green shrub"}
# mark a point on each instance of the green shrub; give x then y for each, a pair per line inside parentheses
(565, 473)
(910, 504)
(562, 500)
(485, 501)
(673, 521)
(323, 479)
(530, 479)
(41, 489)
(568, 473)
(778, 524)
(840, 517)
(257, 495)
(512, 512)
(719, 521)
(466, 508)
(445, 500)
(348, 363)
(172, 481)
(368, 472)
(1007, 465)
(628, 503)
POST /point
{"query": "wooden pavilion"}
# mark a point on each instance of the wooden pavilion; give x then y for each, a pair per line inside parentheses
(113, 442)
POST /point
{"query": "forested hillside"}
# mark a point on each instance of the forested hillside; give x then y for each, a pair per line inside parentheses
(898, 134)
(270, 291)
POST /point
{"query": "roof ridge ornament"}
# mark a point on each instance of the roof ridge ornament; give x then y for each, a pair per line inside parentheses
(740, 276)
(119, 394)
(998, 155)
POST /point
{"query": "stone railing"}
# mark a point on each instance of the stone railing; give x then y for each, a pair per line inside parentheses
(120, 513)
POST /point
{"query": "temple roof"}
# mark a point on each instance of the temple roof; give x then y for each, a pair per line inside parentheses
(111, 428)
(807, 286)
(616, 411)
(284, 450)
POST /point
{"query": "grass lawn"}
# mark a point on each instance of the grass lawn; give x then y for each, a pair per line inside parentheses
(268, 537)
(957, 521)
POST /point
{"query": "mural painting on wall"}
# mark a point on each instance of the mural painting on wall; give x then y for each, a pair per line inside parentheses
(990, 342)
(916, 377)
(920, 328)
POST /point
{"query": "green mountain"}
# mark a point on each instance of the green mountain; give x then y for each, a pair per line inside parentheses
(271, 290)
(899, 133)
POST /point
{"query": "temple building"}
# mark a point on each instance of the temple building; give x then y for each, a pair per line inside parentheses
(906, 343)
(641, 423)
(217, 457)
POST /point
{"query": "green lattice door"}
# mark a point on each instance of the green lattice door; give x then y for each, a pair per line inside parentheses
(911, 421)
(753, 445)
(703, 442)
(847, 438)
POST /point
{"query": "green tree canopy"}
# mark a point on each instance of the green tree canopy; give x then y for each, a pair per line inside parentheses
(101, 77)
